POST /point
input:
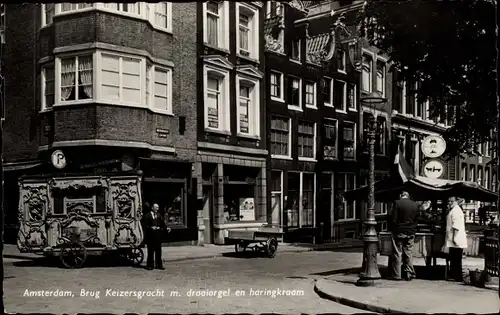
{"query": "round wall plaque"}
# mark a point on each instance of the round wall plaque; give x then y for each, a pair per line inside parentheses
(58, 159)
(433, 168)
(433, 146)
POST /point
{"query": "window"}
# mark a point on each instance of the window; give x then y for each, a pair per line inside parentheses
(131, 8)
(67, 7)
(274, 8)
(163, 15)
(301, 199)
(248, 30)
(249, 105)
(487, 178)
(463, 172)
(487, 148)
(276, 197)
(217, 100)
(48, 13)
(280, 136)
(330, 139)
(295, 50)
(48, 87)
(76, 78)
(310, 94)
(411, 98)
(494, 182)
(351, 97)
(328, 91)
(161, 89)
(307, 140)
(381, 136)
(294, 90)
(340, 95)
(216, 20)
(341, 65)
(381, 77)
(480, 175)
(349, 138)
(366, 77)
(276, 79)
(345, 210)
(472, 174)
(398, 93)
(121, 79)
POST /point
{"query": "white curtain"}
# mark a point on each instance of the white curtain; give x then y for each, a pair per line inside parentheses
(67, 77)
(85, 75)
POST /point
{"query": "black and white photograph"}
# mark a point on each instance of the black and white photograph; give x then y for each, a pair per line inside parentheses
(285, 157)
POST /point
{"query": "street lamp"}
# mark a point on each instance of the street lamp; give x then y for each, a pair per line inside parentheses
(369, 269)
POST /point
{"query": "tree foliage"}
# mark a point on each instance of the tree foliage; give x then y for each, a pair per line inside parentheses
(450, 46)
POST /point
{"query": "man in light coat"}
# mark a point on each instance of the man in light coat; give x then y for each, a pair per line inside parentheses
(456, 239)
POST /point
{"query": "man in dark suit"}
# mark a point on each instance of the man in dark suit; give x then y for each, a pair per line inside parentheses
(403, 225)
(154, 225)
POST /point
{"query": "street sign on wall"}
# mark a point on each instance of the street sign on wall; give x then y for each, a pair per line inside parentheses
(433, 146)
(433, 168)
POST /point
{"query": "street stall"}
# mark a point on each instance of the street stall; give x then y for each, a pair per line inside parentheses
(430, 236)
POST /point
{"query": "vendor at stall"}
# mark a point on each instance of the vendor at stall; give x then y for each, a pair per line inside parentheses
(456, 239)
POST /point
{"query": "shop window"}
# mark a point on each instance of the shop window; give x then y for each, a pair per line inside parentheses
(276, 197)
(171, 198)
(300, 200)
(345, 210)
(240, 193)
(307, 199)
(292, 209)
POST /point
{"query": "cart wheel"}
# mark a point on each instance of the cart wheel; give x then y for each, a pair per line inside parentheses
(240, 247)
(73, 255)
(271, 247)
(135, 256)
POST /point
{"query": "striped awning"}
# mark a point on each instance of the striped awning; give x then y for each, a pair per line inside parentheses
(404, 170)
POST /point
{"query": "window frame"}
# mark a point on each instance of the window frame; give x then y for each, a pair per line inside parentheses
(301, 198)
(355, 88)
(315, 140)
(222, 26)
(279, 156)
(384, 73)
(151, 88)
(345, 202)
(43, 79)
(224, 114)
(314, 105)
(354, 126)
(344, 98)
(290, 81)
(147, 13)
(330, 102)
(278, 192)
(253, 27)
(366, 53)
(57, 80)
(281, 97)
(299, 52)
(254, 111)
(343, 60)
(336, 126)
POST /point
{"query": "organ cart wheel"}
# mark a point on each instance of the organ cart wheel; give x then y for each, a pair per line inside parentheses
(240, 247)
(271, 247)
(135, 256)
(73, 255)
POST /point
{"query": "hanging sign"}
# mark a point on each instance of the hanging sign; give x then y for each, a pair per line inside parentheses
(433, 146)
(58, 159)
(433, 168)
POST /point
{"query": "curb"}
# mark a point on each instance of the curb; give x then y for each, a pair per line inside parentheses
(353, 303)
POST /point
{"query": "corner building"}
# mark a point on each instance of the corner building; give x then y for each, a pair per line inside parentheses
(112, 85)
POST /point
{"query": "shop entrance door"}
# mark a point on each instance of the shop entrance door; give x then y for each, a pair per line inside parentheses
(208, 208)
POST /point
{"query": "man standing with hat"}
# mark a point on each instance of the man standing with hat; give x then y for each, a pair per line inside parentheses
(154, 225)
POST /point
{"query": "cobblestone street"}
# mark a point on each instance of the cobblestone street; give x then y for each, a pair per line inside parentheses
(287, 271)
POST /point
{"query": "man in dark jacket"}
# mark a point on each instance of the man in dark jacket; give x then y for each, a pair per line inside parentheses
(154, 225)
(403, 225)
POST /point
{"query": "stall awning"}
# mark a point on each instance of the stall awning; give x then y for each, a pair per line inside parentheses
(17, 166)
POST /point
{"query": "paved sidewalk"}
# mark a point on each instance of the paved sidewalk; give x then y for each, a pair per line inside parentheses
(181, 253)
(417, 296)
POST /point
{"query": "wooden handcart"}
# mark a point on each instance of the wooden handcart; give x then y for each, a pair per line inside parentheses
(265, 239)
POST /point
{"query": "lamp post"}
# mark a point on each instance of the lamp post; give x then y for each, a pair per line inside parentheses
(369, 269)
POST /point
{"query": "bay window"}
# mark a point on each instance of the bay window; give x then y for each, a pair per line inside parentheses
(276, 81)
(67, 7)
(340, 95)
(311, 94)
(381, 77)
(307, 140)
(216, 99)
(48, 12)
(301, 203)
(121, 79)
(349, 137)
(345, 210)
(131, 8)
(48, 87)
(366, 77)
(248, 106)
(248, 30)
(280, 136)
(294, 90)
(76, 78)
(330, 139)
(162, 15)
(328, 91)
(216, 21)
(159, 88)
